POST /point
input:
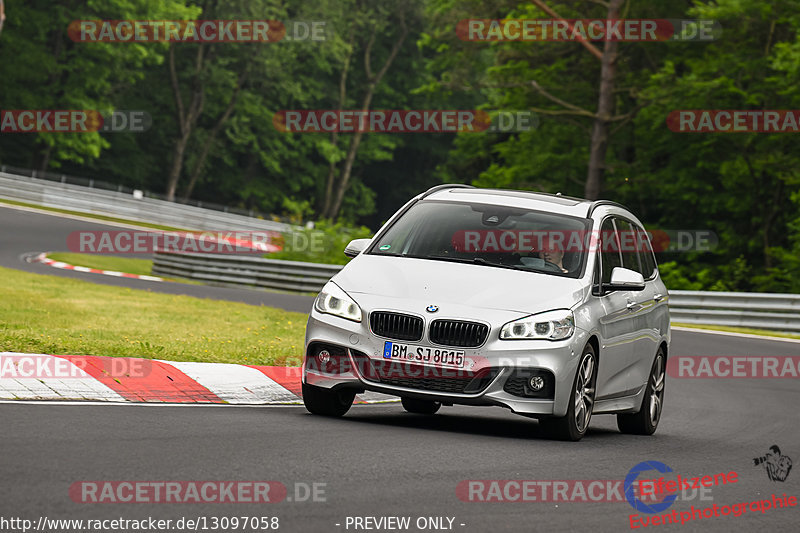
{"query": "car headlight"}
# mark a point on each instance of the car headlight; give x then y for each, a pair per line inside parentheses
(552, 325)
(334, 301)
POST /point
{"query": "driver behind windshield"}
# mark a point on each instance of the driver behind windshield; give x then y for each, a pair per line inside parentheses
(552, 253)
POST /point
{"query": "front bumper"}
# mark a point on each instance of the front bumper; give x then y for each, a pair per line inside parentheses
(496, 360)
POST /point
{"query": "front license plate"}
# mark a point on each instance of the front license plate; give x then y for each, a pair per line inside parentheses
(423, 355)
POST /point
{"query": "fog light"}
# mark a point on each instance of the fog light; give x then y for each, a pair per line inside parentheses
(536, 383)
(324, 356)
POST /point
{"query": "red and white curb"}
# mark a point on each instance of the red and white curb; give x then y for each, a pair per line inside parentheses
(127, 379)
(42, 258)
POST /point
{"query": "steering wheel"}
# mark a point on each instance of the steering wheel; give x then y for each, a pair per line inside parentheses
(551, 267)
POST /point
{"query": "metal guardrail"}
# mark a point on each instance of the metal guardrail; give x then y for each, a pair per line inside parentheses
(249, 271)
(779, 312)
(122, 204)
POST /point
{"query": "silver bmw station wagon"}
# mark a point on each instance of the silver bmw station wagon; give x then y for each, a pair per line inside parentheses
(547, 305)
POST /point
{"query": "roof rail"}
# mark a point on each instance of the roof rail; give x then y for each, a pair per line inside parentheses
(443, 186)
(599, 203)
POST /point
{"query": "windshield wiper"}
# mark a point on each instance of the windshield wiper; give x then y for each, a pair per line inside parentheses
(473, 261)
(482, 261)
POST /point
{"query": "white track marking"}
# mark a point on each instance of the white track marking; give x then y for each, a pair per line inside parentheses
(236, 384)
(142, 404)
(734, 334)
(42, 258)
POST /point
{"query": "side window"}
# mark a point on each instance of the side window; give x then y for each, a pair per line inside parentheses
(609, 251)
(628, 245)
(646, 255)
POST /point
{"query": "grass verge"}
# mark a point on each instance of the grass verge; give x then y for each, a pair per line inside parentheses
(54, 315)
(732, 329)
(92, 215)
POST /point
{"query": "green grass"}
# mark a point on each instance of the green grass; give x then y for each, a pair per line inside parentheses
(141, 267)
(49, 314)
(92, 215)
(732, 329)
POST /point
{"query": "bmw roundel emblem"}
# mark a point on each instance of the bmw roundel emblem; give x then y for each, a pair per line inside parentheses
(432, 308)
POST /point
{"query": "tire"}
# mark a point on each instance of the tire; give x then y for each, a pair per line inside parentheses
(646, 420)
(326, 402)
(579, 412)
(420, 407)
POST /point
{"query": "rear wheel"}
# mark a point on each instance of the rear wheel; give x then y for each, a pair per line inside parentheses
(579, 413)
(646, 420)
(420, 407)
(326, 402)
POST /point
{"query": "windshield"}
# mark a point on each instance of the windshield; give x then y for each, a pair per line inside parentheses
(491, 235)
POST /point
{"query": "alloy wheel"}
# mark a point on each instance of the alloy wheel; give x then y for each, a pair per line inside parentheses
(656, 390)
(584, 393)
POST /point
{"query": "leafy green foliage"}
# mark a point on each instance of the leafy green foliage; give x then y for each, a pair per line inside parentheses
(324, 243)
(745, 187)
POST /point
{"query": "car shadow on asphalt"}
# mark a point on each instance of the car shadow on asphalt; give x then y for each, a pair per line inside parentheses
(518, 427)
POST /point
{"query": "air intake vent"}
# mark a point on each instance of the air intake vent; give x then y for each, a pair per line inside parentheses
(427, 378)
(396, 326)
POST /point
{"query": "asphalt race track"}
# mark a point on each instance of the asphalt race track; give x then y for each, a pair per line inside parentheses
(379, 461)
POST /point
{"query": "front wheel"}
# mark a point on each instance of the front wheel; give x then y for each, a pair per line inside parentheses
(646, 420)
(326, 402)
(579, 412)
(420, 407)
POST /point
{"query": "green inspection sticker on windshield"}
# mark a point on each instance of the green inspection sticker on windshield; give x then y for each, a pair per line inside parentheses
(385, 247)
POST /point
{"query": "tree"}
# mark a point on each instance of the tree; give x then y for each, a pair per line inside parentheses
(42, 68)
(743, 186)
(371, 20)
(2, 15)
(205, 72)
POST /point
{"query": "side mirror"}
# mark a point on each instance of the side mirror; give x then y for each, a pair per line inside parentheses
(624, 279)
(355, 247)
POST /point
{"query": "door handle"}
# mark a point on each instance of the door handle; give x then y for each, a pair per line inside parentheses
(631, 305)
(658, 297)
